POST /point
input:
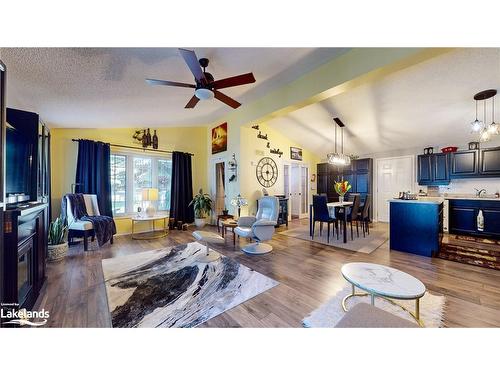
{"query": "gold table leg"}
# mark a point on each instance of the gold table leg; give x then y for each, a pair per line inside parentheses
(415, 315)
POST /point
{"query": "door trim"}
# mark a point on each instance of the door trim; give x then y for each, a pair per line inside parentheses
(375, 182)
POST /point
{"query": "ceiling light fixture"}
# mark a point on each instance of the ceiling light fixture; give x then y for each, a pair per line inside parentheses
(339, 158)
(204, 94)
(479, 127)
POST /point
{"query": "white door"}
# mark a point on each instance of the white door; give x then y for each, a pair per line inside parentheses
(304, 191)
(393, 175)
(295, 191)
(286, 186)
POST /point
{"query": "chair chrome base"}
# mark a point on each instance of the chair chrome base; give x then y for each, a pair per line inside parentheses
(208, 256)
(257, 248)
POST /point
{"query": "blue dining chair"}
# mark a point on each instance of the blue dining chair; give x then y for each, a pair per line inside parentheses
(321, 214)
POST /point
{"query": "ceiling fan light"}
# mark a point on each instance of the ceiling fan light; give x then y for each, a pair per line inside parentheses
(204, 94)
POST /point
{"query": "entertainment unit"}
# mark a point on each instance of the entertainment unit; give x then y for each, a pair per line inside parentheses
(26, 211)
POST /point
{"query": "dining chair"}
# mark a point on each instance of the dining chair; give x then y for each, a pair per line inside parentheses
(352, 213)
(364, 215)
(321, 214)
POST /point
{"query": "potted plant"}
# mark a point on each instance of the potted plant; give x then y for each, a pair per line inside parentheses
(202, 205)
(57, 246)
(342, 187)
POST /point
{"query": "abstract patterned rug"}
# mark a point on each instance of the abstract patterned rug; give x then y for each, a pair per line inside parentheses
(169, 288)
(328, 314)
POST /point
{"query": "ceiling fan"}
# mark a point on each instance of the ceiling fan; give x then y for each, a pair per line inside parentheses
(206, 87)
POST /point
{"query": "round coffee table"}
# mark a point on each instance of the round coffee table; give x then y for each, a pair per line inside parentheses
(384, 282)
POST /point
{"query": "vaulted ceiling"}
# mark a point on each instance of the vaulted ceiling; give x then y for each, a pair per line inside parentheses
(427, 104)
(104, 87)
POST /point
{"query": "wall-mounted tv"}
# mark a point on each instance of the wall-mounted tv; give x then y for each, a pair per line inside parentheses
(18, 163)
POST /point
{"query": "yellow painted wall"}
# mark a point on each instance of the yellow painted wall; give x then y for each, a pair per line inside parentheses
(64, 156)
(252, 149)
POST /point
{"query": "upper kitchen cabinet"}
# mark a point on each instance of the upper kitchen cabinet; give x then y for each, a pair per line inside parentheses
(490, 162)
(464, 164)
(433, 169)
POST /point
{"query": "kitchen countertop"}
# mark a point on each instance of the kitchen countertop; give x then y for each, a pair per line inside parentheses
(415, 201)
(474, 198)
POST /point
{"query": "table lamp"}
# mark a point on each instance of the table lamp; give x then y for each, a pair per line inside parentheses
(239, 202)
(150, 195)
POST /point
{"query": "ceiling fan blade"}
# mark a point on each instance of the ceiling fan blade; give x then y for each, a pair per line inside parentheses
(242, 79)
(169, 83)
(192, 102)
(193, 64)
(226, 99)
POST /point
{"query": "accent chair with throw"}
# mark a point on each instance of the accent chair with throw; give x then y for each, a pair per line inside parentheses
(261, 227)
(84, 219)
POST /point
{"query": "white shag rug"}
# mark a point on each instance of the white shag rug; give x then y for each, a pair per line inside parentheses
(328, 314)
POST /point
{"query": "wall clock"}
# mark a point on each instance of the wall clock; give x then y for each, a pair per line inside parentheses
(267, 172)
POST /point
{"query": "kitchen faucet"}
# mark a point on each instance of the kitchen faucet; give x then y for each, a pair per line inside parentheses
(480, 193)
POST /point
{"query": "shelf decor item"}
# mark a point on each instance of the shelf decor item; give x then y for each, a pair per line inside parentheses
(146, 139)
(473, 145)
(57, 246)
(239, 202)
(342, 187)
(449, 149)
(202, 205)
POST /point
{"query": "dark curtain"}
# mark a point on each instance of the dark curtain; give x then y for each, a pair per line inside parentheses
(93, 173)
(182, 188)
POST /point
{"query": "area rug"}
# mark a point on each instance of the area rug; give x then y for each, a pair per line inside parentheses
(169, 288)
(328, 314)
(368, 244)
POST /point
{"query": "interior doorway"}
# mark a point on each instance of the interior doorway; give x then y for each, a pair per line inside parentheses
(298, 190)
(220, 188)
(393, 175)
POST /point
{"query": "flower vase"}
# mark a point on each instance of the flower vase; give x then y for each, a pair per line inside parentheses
(341, 198)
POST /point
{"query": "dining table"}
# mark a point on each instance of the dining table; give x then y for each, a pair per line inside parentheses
(332, 208)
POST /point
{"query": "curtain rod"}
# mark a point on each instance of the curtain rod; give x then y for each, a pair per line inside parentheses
(135, 148)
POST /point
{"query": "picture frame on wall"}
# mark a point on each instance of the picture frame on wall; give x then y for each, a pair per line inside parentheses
(219, 138)
(296, 153)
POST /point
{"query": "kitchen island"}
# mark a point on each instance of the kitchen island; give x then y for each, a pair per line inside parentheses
(416, 226)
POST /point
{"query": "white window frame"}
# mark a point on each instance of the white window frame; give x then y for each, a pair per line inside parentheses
(129, 179)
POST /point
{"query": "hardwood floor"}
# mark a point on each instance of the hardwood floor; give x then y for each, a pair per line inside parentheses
(308, 272)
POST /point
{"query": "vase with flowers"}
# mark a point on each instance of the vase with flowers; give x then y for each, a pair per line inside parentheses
(342, 187)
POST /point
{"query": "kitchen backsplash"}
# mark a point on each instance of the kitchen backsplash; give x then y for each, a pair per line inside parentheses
(467, 186)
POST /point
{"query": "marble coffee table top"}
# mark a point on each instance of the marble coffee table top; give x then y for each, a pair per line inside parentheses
(383, 281)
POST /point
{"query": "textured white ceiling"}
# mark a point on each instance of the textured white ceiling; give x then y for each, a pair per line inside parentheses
(104, 87)
(426, 104)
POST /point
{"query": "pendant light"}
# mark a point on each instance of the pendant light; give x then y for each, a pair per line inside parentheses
(493, 128)
(476, 125)
(339, 158)
(485, 131)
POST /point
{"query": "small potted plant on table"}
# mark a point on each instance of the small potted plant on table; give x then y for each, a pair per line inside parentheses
(202, 205)
(57, 246)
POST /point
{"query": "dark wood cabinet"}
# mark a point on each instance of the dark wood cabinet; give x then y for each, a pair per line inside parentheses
(359, 174)
(3, 74)
(464, 164)
(463, 215)
(433, 169)
(490, 161)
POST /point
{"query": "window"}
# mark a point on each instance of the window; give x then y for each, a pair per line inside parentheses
(130, 173)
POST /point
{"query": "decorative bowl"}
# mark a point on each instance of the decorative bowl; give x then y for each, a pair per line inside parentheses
(449, 149)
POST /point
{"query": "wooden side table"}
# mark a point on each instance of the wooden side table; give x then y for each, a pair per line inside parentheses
(229, 224)
(223, 217)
